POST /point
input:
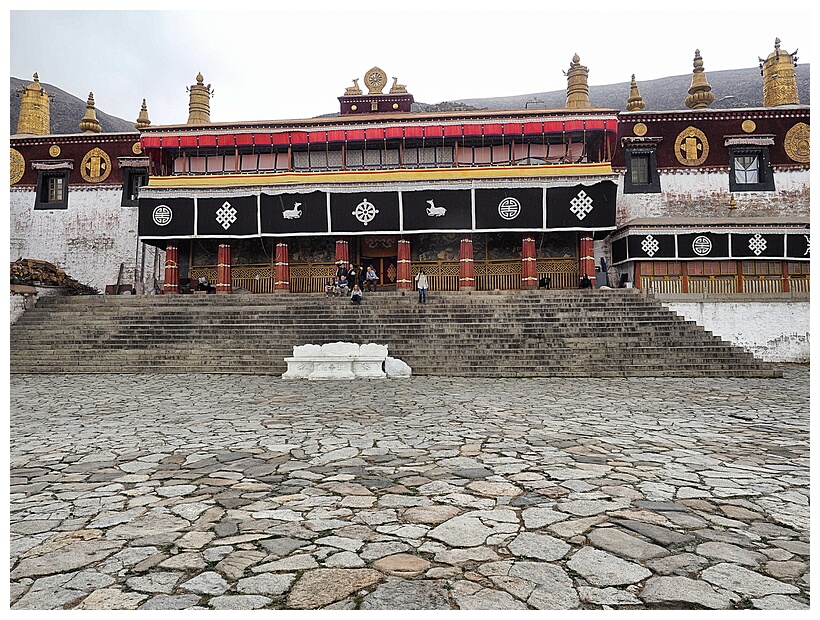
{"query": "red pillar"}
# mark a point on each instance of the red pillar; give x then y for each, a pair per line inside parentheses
(171, 269)
(404, 275)
(282, 279)
(466, 269)
(342, 252)
(223, 269)
(529, 268)
(587, 260)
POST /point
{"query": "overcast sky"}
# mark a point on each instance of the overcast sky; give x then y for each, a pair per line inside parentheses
(282, 64)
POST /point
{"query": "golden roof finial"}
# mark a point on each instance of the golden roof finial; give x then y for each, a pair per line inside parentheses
(142, 120)
(34, 117)
(577, 85)
(199, 104)
(90, 124)
(635, 102)
(779, 79)
(700, 93)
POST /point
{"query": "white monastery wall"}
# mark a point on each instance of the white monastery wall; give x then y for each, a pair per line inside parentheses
(19, 304)
(89, 240)
(706, 194)
(774, 331)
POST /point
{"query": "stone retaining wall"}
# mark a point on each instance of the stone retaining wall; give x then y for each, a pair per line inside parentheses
(774, 330)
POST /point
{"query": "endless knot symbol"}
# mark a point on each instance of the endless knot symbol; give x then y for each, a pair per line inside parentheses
(702, 245)
(162, 215)
(365, 212)
(650, 245)
(226, 215)
(757, 244)
(581, 205)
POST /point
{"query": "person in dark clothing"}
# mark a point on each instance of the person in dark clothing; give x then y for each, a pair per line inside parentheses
(585, 281)
(544, 282)
(352, 275)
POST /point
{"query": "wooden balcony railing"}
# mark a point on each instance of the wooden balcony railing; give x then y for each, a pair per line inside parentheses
(441, 275)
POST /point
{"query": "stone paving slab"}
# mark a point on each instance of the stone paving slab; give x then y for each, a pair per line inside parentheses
(235, 492)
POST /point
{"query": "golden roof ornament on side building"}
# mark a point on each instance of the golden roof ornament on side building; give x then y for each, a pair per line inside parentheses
(142, 120)
(577, 84)
(779, 79)
(90, 124)
(354, 90)
(700, 93)
(199, 105)
(635, 102)
(34, 117)
(397, 88)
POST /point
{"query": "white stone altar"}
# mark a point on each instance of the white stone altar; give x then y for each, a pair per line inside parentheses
(336, 360)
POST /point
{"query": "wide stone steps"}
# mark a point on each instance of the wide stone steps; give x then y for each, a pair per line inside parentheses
(543, 333)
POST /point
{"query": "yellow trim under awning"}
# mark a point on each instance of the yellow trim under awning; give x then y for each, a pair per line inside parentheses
(380, 176)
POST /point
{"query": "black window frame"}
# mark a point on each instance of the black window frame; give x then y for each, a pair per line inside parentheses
(41, 201)
(653, 184)
(765, 174)
(129, 177)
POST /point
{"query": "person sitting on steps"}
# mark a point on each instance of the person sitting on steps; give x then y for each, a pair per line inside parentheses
(344, 287)
(356, 295)
(371, 279)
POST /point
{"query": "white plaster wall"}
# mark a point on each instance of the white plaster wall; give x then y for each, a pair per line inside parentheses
(18, 305)
(89, 240)
(774, 331)
(706, 194)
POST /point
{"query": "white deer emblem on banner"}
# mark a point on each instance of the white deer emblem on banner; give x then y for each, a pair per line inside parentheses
(294, 213)
(434, 211)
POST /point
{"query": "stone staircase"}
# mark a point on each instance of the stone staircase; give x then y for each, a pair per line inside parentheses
(569, 333)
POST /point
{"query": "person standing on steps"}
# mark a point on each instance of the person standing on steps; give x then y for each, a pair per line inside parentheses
(352, 275)
(421, 284)
(340, 270)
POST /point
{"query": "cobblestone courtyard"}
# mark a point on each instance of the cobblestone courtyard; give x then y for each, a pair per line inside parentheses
(242, 492)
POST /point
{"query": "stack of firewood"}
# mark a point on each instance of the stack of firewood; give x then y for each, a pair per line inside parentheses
(41, 273)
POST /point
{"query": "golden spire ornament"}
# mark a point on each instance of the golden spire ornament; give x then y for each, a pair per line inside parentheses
(90, 124)
(700, 93)
(142, 120)
(635, 102)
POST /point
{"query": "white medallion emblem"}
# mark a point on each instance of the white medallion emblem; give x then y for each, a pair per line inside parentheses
(162, 215)
(757, 244)
(808, 246)
(581, 205)
(294, 213)
(702, 245)
(365, 212)
(650, 245)
(226, 215)
(509, 208)
(434, 211)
